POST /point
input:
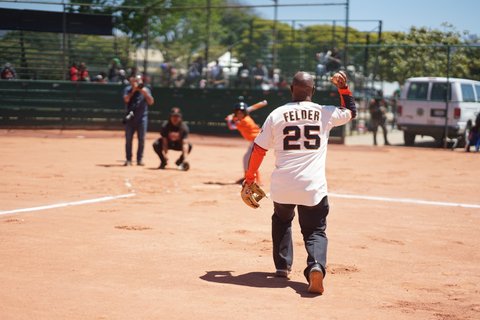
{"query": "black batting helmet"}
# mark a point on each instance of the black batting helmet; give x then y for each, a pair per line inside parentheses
(240, 106)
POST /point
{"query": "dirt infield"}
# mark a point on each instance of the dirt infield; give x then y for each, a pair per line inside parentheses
(183, 245)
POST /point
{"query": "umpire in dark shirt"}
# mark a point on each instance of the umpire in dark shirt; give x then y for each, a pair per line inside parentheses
(174, 136)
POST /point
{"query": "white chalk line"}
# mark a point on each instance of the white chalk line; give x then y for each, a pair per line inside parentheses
(335, 195)
(405, 200)
(68, 204)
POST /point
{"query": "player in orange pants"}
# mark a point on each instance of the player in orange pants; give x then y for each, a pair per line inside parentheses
(240, 120)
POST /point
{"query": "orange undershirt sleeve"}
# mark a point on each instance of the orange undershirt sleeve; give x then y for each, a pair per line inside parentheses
(254, 163)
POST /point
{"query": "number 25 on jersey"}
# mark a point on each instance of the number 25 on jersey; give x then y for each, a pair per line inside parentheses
(293, 137)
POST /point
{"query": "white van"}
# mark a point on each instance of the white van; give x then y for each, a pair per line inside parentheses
(421, 108)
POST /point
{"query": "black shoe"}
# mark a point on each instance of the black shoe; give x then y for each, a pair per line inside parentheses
(282, 273)
(140, 163)
(127, 163)
(179, 161)
(185, 166)
(162, 166)
(315, 279)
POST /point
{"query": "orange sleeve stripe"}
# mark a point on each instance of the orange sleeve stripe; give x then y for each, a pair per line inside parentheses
(254, 163)
(344, 91)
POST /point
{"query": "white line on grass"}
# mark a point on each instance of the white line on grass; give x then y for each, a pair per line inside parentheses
(68, 204)
(405, 200)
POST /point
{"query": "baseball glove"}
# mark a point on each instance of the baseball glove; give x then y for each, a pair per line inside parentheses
(252, 194)
(339, 79)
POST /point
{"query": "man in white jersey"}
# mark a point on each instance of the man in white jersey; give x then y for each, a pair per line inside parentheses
(298, 133)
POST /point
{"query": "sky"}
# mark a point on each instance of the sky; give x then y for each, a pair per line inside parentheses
(396, 15)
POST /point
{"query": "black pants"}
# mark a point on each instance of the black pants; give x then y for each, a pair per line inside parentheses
(375, 123)
(157, 146)
(313, 223)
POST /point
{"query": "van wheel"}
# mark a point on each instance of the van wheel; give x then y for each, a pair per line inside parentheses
(409, 138)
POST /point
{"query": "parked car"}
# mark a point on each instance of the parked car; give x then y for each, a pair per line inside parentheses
(422, 108)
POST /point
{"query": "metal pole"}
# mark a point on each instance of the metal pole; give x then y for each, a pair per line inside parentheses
(365, 61)
(293, 31)
(347, 16)
(302, 48)
(380, 24)
(334, 32)
(377, 55)
(64, 41)
(207, 40)
(274, 44)
(250, 32)
(447, 98)
(147, 44)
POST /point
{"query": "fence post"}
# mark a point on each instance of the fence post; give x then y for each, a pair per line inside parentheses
(274, 33)
(147, 40)
(64, 41)
(447, 99)
(347, 13)
(207, 38)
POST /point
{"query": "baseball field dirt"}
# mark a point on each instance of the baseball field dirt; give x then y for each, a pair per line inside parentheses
(101, 241)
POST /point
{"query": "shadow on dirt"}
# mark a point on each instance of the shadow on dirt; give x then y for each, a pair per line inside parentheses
(257, 280)
(220, 183)
(110, 165)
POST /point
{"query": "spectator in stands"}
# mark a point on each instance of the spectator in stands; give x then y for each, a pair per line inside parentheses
(100, 78)
(259, 73)
(243, 76)
(166, 75)
(114, 71)
(83, 72)
(122, 77)
(333, 60)
(133, 72)
(8, 72)
(216, 77)
(178, 78)
(321, 65)
(194, 75)
(74, 73)
(275, 78)
(199, 65)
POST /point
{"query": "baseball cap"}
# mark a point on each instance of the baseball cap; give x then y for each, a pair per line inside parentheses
(175, 112)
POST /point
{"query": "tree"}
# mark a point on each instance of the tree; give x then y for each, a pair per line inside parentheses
(422, 52)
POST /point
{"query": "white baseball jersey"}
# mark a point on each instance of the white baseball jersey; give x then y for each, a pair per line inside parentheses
(298, 132)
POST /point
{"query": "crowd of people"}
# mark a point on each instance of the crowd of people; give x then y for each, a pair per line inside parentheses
(200, 75)
(197, 75)
(115, 74)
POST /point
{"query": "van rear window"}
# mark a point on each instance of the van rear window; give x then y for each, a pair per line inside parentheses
(417, 91)
(439, 90)
(477, 88)
(468, 93)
